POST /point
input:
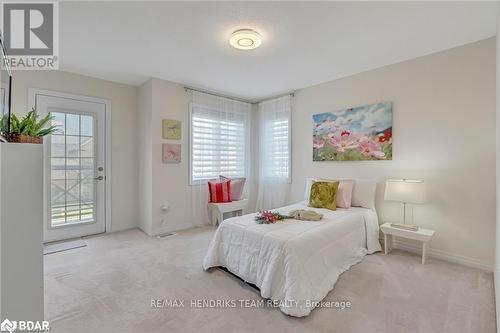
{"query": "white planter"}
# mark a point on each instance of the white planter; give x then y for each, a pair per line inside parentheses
(21, 230)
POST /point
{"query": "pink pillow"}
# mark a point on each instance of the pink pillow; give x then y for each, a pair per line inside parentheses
(344, 194)
(237, 185)
(220, 190)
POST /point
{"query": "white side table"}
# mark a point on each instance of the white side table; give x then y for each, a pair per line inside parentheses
(217, 210)
(422, 235)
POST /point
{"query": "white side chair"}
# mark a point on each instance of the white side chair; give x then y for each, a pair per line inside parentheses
(217, 210)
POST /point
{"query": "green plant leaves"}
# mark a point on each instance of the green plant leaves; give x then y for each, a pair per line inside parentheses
(28, 125)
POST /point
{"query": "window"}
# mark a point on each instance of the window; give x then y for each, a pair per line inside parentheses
(275, 152)
(219, 140)
(275, 139)
(72, 165)
(277, 149)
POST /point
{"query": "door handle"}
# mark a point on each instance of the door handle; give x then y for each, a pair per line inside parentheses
(99, 178)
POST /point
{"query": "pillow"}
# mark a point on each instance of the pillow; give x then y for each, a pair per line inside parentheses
(344, 194)
(237, 185)
(220, 190)
(363, 193)
(324, 195)
(309, 182)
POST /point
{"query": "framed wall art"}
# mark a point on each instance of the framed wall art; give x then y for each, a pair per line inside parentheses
(354, 134)
(172, 129)
(171, 153)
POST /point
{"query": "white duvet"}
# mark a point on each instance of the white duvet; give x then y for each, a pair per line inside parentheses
(294, 262)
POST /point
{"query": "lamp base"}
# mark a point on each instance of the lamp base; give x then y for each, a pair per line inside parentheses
(408, 227)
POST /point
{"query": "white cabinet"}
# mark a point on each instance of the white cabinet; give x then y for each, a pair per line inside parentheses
(21, 230)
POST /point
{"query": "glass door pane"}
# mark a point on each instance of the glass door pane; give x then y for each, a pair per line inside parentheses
(73, 165)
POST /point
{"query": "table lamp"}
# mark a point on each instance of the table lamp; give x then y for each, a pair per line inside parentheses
(408, 192)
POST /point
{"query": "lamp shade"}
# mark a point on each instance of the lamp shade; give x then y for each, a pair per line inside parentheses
(405, 190)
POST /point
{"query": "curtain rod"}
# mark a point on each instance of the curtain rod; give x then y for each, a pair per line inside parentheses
(236, 98)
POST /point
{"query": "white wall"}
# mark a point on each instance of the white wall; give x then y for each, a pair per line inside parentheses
(145, 168)
(444, 133)
(163, 184)
(170, 181)
(123, 130)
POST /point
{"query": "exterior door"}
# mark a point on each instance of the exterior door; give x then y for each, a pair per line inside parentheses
(75, 167)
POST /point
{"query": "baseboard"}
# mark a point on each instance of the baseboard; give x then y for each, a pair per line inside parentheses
(497, 295)
(166, 230)
(130, 227)
(443, 255)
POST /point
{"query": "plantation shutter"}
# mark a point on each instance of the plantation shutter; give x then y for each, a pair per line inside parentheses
(275, 145)
(219, 140)
(275, 152)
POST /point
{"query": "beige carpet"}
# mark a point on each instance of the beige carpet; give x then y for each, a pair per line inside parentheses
(108, 286)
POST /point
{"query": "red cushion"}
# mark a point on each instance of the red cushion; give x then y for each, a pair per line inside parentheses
(220, 190)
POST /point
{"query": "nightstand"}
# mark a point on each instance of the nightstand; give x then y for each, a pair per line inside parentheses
(421, 235)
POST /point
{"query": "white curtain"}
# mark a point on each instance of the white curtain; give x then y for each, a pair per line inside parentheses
(274, 152)
(219, 144)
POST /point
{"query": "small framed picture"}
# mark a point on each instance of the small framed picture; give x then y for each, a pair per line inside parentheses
(171, 153)
(172, 129)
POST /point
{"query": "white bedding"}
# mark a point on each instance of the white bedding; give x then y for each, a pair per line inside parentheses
(294, 262)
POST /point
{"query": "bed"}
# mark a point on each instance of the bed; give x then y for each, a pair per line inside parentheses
(295, 263)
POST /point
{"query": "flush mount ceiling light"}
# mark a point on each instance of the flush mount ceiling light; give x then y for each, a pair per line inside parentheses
(245, 39)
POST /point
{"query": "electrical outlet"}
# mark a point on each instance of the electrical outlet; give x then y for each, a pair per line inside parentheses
(165, 208)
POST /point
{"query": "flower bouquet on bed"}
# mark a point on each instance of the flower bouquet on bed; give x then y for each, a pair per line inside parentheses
(268, 217)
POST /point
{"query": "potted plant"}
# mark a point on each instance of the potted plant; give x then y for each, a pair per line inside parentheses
(27, 130)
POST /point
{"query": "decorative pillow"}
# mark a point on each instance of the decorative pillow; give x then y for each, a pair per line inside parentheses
(363, 193)
(220, 190)
(237, 186)
(324, 195)
(344, 194)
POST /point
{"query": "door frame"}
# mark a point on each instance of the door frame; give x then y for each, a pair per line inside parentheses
(32, 93)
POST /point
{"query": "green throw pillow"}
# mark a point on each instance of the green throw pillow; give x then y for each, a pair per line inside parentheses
(324, 195)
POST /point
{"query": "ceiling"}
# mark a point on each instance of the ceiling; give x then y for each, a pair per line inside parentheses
(303, 43)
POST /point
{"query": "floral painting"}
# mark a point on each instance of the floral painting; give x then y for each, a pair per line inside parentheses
(354, 134)
(171, 153)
